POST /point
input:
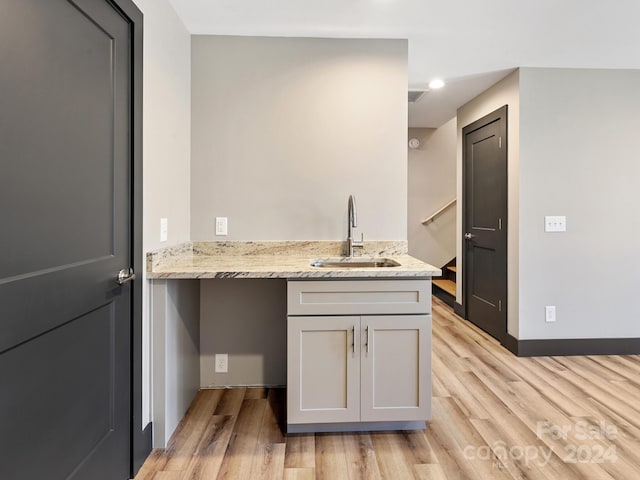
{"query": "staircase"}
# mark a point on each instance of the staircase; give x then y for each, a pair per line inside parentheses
(445, 287)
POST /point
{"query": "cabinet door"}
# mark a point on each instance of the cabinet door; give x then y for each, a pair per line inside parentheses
(323, 369)
(396, 368)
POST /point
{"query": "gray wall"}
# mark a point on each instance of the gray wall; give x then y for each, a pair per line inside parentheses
(247, 319)
(175, 307)
(570, 153)
(578, 158)
(432, 184)
(505, 92)
(284, 129)
(167, 121)
(166, 146)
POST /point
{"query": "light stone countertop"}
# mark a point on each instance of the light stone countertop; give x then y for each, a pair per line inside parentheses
(277, 260)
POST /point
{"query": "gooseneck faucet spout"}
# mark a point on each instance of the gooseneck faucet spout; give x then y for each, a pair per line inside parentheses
(353, 215)
(352, 222)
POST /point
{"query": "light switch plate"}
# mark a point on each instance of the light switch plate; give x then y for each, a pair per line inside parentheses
(555, 223)
(221, 225)
(164, 229)
(550, 313)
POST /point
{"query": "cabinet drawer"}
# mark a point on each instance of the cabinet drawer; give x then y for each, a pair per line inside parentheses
(358, 297)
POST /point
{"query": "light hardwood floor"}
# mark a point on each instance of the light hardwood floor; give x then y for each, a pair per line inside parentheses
(495, 416)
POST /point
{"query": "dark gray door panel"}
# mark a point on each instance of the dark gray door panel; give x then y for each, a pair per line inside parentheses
(71, 373)
(485, 223)
(65, 200)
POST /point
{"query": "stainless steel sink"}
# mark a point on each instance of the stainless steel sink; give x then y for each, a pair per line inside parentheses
(354, 262)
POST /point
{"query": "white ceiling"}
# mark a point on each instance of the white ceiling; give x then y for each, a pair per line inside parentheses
(470, 44)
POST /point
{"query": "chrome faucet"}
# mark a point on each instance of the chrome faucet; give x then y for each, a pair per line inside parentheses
(352, 222)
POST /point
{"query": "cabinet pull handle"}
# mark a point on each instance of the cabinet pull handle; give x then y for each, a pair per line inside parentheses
(367, 344)
(353, 338)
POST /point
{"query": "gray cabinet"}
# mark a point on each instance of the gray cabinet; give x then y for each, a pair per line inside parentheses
(323, 369)
(370, 369)
(395, 368)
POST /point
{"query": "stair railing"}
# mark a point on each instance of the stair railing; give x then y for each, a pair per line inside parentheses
(437, 213)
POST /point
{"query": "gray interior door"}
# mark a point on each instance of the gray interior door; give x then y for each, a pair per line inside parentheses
(485, 222)
(65, 200)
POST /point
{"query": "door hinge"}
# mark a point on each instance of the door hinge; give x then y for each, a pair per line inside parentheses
(499, 305)
(499, 223)
(499, 142)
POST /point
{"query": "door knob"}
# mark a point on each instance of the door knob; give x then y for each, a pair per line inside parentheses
(469, 236)
(125, 275)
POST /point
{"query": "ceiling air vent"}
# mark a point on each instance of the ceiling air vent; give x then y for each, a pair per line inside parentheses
(414, 95)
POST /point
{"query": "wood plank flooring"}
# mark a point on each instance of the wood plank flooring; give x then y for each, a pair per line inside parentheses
(495, 416)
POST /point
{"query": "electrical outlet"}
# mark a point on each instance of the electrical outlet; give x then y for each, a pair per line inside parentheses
(222, 363)
(164, 229)
(550, 313)
(221, 225)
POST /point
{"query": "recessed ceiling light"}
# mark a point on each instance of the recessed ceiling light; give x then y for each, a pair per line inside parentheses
(436, 83)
